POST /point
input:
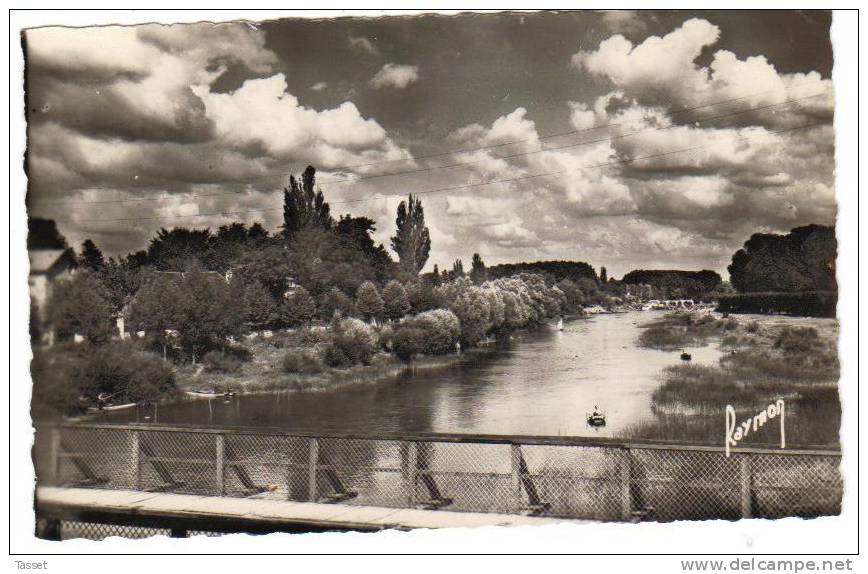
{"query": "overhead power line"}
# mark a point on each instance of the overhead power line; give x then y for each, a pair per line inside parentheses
(467, 163)
(625, 161)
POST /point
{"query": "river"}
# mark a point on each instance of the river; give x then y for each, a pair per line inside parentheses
(544, 382)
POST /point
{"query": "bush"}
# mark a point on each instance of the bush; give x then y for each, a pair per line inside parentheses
(407, 341)
(797, 339)
(665, 338)
(301, 362)
(126, 373)
(217, 362)
(352, 342)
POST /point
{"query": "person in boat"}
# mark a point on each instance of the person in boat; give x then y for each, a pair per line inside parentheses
(596, 413)
(102, 400)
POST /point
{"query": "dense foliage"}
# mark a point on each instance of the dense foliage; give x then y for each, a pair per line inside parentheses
(553, 271)
(802, 260)
(675, 284)
(805, 304)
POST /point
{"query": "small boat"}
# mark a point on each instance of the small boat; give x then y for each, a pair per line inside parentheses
(596, 418)
(104, 408)
(686, 356)
(210, 394)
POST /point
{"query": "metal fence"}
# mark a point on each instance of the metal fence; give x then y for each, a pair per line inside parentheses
(552, 476)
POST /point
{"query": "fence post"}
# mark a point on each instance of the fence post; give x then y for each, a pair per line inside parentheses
(54, 446)
(515, 465)
(411, 466)
(626, 494)
(745, 490)
(313, 460)
(135, 462)
(220, 460)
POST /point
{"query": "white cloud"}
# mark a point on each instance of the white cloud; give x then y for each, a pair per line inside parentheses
(397, 76)
(663, 70)
(362, 44)
(262, 112)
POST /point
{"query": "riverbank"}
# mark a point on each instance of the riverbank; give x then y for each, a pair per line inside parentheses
(765, 360)
(264, 372)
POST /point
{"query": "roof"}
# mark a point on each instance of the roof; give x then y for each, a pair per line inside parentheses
(43, 260)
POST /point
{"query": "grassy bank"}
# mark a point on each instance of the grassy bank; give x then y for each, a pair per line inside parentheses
(265, 370)
(678, 330)
(763, 363)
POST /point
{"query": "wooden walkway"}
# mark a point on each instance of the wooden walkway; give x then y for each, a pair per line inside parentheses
(73, 503)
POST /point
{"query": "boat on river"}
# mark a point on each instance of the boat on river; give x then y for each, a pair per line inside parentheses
(104, 408)
(596, 418)
(209, 394)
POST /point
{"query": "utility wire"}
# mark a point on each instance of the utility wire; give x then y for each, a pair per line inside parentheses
(625, 161)
(461, 164)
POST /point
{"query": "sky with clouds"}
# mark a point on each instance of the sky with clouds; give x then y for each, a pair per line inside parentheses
(627, 140)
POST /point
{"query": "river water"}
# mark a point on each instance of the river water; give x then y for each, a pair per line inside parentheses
(544, 382)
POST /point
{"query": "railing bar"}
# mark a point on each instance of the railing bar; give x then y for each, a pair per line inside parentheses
(577, 441)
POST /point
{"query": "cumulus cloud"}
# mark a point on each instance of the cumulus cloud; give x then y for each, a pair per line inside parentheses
(362, 44)
(397, 76)
(663, 70)
(129, 117)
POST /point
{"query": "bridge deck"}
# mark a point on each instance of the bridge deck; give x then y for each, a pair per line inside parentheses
(69, 502)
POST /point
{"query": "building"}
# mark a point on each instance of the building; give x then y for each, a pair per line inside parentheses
(46, 267)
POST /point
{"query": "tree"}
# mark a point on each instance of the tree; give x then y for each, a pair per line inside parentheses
(206, 312)
(356, 232)
(802, 260)
(335, 303)
(177, 249)
(154, 308)
(368, 301)
(302, 205)
(395, 302)
(604, 275)
(261, 311)
(78, 306)
(91, 256)
(299, 307)
(266, 264)
(458, 269)
(477, 270)
(412, 241)
(121, 282)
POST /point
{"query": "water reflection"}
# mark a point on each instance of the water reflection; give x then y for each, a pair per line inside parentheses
(542, 382)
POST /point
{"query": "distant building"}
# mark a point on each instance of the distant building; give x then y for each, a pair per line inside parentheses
(46, 267)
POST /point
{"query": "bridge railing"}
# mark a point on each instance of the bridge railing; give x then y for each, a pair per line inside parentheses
(571, 477)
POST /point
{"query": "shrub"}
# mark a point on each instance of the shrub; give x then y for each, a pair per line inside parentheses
(352, 342)
(797, 339)
(395, 302)
(441, 328)
(302, 362)
(218, 362)
(126, 373)
(664, 338)
(407, 341)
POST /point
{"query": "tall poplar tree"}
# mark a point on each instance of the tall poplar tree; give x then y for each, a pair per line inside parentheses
(412, 241)
(303, 204)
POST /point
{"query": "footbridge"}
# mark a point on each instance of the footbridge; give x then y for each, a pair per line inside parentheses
(96, 480)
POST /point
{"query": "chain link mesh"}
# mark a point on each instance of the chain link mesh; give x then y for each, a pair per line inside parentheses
(562, 480)
(70, 529)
